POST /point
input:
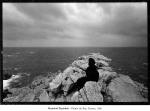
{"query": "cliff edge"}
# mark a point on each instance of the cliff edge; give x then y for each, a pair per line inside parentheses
(111, 86)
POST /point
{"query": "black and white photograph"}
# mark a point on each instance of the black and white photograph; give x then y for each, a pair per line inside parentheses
(74, 53)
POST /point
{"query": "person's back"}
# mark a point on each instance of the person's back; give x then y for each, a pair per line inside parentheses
(91, 72)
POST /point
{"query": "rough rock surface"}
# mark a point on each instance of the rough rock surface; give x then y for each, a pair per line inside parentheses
(44, 97)
(111, 87)
(122, 89)
(93, 92)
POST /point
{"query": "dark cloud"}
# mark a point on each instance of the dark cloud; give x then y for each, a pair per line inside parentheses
(41, 11)
(101, 24)
(126, 20)
(20, 31)
(130, 20)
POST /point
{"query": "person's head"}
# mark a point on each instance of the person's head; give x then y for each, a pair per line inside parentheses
(91, 62)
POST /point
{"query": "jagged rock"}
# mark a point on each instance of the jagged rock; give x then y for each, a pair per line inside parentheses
(55, 85)
(107, 69)
(142, 89)
(101, 63)
(17, 91)
(126, 79)
(38, 90)
(44, 97)
(42, 82)
(106, 75)
(28, 98)
(69, 70)
(83, 94)
(65, 80)
(93, 92)
(75, 76)
(96, 56)
(13, 82)
(56, 90)
(75, 97)
(18, 94)
(80, 98)
(51, 96)
(7, 83)
(67, 83)
(11, 99)
(122, 89)
(60, 99)
(14, 98)
(36, 100)
(107, 98)
(82, 63)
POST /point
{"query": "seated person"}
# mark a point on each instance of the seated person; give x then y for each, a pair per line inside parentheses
(91, 75)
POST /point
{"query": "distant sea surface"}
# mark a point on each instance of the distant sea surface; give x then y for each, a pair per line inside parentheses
(39, 61)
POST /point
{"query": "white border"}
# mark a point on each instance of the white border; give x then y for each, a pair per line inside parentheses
(74, 107)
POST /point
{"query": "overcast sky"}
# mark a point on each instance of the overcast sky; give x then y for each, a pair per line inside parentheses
(74, 24)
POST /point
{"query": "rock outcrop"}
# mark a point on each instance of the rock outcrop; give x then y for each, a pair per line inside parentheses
(111, 87)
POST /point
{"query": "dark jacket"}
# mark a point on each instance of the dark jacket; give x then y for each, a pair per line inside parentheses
(92, 73)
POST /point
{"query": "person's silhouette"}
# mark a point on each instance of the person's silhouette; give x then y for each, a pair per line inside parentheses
(91, 72)
(91, 75)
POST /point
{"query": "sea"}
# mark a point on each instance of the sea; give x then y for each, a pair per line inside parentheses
(37, 61)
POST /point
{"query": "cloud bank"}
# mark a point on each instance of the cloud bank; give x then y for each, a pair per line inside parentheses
(75, 24)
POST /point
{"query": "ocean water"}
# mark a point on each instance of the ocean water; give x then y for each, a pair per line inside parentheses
(39, 61)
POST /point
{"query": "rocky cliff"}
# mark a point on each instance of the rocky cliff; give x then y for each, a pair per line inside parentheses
(111, 87)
